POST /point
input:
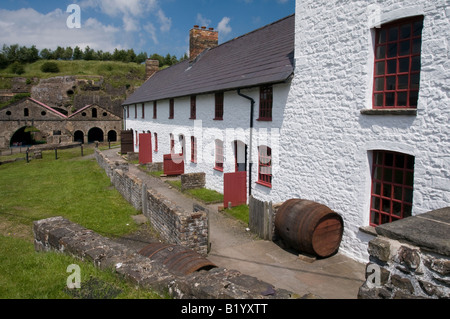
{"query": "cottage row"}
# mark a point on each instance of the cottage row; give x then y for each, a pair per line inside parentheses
(345, 104)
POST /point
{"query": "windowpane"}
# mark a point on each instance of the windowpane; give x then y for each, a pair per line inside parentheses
(386, 206)
(393, 34)
(389, 159)
(405, 47)
(392, 66)
(417, 28)
(387, 190)
(379, 85)
(403, 65)
(398, 177)
(408, 195)
(405, 31)
(403, 83)
(381, 52)
(380, 68)
(415, 81)
(398, 192)
(397, 208)
(390, 99)
(415, 65)
(375, 203)
(400, 161)
(391, 83)
(417, 46)
(392, 50)
(407, 209)
(379, 99)
(387, 176)
(413, 98)
(381, 36)
(402, 99)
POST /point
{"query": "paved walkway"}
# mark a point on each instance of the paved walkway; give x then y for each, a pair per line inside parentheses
(233, 247)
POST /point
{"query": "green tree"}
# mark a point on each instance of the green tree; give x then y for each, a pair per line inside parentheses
(68, 53)
(46, 54)
(50, 67)
(141, 58)
(77, 53)
(17, 68)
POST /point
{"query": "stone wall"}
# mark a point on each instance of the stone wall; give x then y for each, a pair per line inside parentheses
(410, 259)
(175, 225)
(193, 181)
(61, 235)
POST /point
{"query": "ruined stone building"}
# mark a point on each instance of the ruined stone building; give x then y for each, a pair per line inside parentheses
(30, 121)
(343, 103)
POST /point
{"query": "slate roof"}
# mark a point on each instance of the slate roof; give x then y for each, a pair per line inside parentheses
(263, 56)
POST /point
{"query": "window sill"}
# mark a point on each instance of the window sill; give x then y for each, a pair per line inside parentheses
(264, 120)
(192, 118)
(218, 169)
(264, 184)
(368, 230)
(393, 111)
(218, 119)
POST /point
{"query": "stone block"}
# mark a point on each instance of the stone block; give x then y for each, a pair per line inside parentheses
(380, 248)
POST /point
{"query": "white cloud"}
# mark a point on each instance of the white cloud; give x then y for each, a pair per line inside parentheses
(28, 27)
(151, 30)
(166, 23)
(202, 21)
(224, 27)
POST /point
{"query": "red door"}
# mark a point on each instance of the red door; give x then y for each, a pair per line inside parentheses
(235, 189)
(173, 164)
(145, 148)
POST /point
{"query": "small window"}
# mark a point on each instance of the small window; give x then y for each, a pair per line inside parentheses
(26, 112)
(135, 111)
(265, 103)
(193, 149)
(155, 110)
(219, 106)
(193, 107)
(94, 113)
(265, 166)
(219, 158)
(8, 113)
(171, 109)
(43, 113)
(392, 187)
(156, 142)
(83, 114)
(143, 110)
(397, 64)
(128, 111)
(105, 114)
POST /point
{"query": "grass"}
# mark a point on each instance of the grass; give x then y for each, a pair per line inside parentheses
(116, 73)
(73, 187)
(240, 213)
(205, 195)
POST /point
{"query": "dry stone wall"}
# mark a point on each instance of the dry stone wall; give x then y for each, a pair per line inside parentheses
(174, 224)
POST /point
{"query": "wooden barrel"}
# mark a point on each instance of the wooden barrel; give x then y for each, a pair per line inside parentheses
(179, 260)
(309, 227)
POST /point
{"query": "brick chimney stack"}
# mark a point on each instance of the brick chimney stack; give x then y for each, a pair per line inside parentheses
(151, 67)
(201, 39)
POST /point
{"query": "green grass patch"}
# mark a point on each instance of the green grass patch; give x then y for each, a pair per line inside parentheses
(240, 212)
(156, 174)
(73, 187)
(27, 274)
(206, 195)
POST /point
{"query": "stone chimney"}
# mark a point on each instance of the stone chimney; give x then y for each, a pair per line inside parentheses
(201, 39)
(151, 67)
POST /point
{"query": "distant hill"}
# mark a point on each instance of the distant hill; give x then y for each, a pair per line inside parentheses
(77, 84)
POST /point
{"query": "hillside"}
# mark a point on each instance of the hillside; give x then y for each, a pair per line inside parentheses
(78, 83)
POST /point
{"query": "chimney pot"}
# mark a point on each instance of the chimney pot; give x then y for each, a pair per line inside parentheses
(211, 29)
(204, 28)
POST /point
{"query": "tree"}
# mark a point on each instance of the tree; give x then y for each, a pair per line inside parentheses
(141, 58)
(77, 53)
(50, 67)
(68, 53)
(46, 54)
(89, 54)
(3, 61)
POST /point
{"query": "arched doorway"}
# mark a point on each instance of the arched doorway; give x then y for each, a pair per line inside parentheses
(112, 136)
(95, 134)
(78, 137)
(25, 137)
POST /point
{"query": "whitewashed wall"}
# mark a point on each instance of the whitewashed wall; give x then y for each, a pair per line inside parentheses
(326, 143)
(235, 126)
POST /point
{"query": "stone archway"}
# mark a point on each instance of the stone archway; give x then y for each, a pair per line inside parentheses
(24, 136)
(78, 137)
(95, 134)
(112, 136)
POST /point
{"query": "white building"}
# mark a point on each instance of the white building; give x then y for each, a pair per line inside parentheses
(360, 116)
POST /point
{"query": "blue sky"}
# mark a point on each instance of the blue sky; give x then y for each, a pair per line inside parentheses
(152, 26)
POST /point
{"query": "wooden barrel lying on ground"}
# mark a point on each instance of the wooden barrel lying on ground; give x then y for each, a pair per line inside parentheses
(309, 227)
(179, 260)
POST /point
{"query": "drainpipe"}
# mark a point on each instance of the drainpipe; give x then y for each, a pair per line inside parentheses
(250, 163)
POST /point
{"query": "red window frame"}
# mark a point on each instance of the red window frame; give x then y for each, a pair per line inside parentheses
(397, 64)
(193, 107)
(155, 110)
(193, 149)
(219, 158)
(392, 187)
(265, 103)
(219, 98)
(265, 166)
(171, 109)
(156, 142)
